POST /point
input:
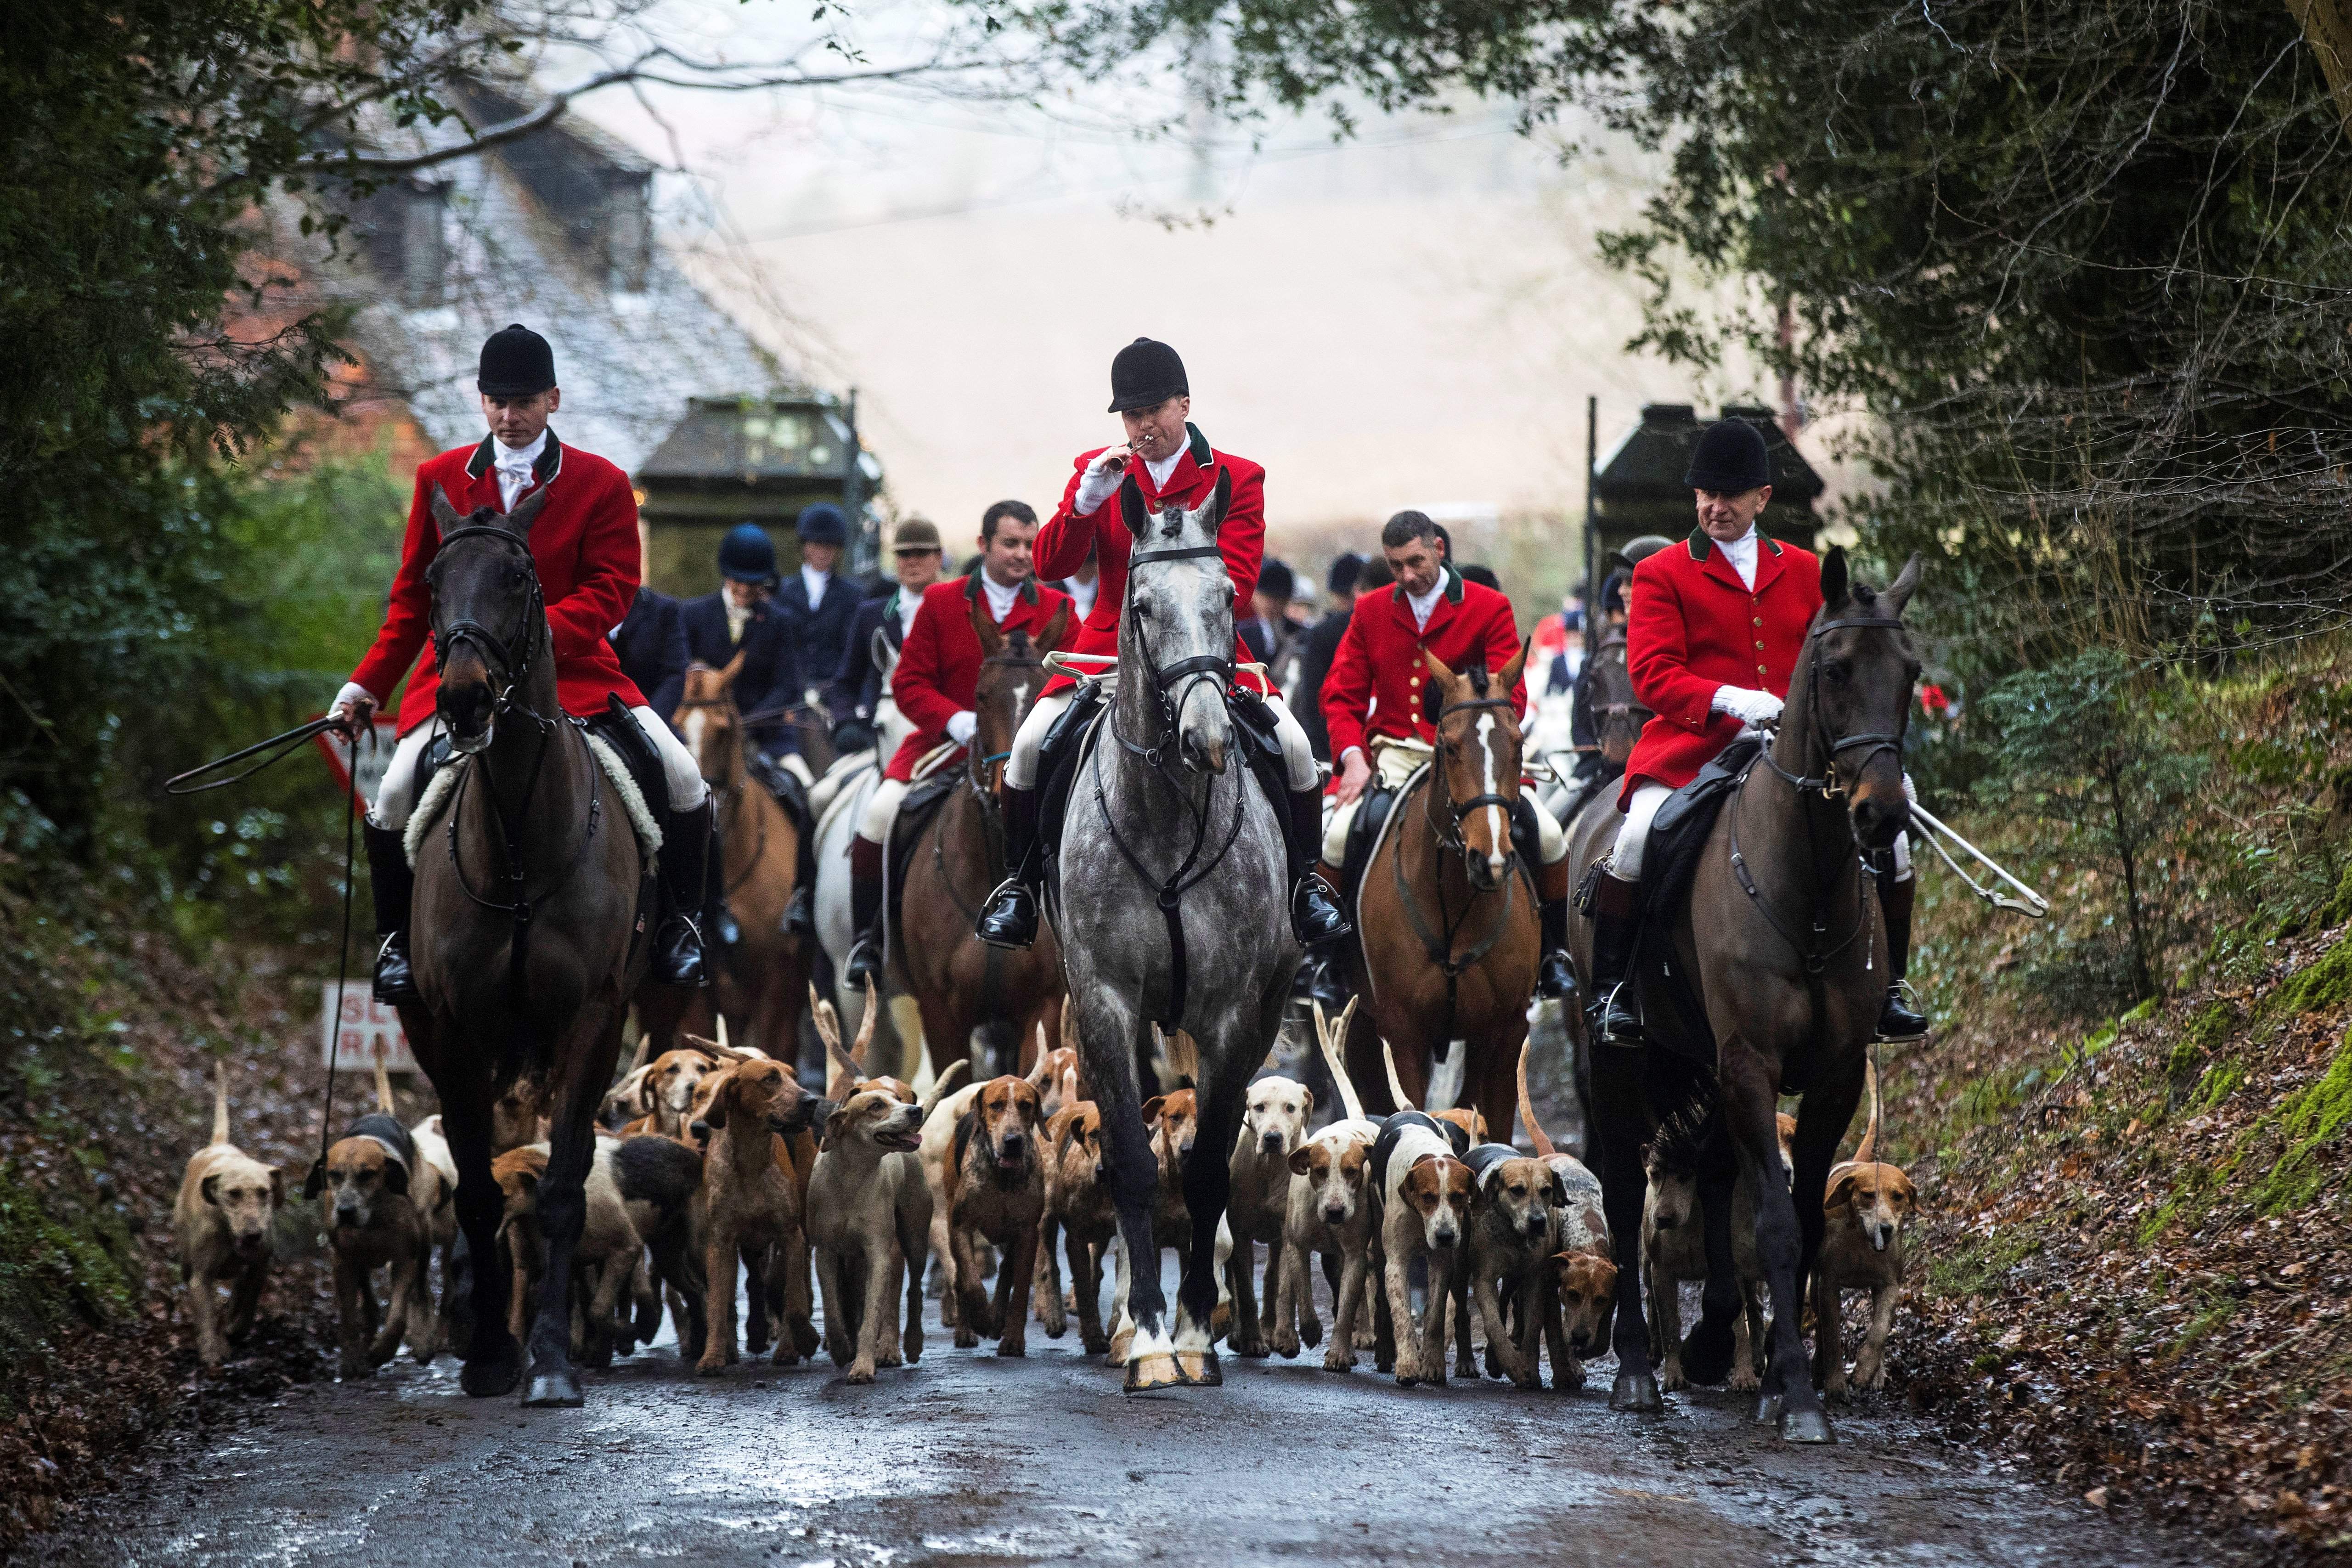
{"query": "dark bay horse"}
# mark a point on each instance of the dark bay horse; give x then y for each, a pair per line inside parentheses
(1172, 909)
(1786, 954)
(530, 892)
(1447, 933)
(959, 981)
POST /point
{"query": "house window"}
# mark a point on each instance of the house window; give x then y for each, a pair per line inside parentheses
(424, 244)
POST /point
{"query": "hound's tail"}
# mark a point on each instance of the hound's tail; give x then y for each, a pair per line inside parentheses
(384, 1088)
(944, 1082)
(1535, 1134)
(1333, 1038)
(1396, 1084)
(1868, 1152)
(220, 1100)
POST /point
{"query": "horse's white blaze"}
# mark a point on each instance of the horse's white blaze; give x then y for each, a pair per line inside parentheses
(1020, 698)
(696, 720)
(1497, 858)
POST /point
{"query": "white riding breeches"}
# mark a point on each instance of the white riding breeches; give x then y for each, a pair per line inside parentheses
(1021, 768)
(1553, 841)
(396, 799)
(1633, 834)
(881, 808)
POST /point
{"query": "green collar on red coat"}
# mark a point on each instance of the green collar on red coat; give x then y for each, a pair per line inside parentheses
(545, 467)
(1028, 591)
(1452, 588)
(1700, 544)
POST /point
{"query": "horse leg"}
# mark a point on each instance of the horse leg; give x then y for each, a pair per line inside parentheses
(1135, 1183)
(1615, 1135)
(1494, 1089)
(1748, 1080)
(493, 1360)
(947, 1031)
(1710, 1351)
(1208, 1185)
(595, 1046)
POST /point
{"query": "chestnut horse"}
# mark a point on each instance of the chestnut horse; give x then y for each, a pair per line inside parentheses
(1447, 932)
(959, 981)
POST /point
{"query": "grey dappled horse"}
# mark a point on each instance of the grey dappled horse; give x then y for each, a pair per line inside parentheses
(1158, 805)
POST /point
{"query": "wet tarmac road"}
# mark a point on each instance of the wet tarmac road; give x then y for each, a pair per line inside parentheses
(969, 1458)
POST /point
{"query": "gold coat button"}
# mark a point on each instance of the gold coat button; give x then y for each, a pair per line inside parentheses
(1760, 669)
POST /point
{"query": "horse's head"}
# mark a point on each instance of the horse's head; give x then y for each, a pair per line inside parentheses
(1479, 758)
(1856, 678)
(711, 721)
(1012, 673)
(1180, 619)
(488, 619)
(1618, 713)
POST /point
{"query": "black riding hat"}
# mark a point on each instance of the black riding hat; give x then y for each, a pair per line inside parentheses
(1145, 374)
(516, 362)
(1730, 457)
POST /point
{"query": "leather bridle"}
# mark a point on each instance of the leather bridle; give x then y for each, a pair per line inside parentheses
(1835, 746)
(1183, 672)
(511, 671)
(1449, 836)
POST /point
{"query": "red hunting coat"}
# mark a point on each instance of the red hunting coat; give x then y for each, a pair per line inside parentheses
(584, 543)
(939, 669)
(1377, 677)
(1693, 626)
(1062, 543)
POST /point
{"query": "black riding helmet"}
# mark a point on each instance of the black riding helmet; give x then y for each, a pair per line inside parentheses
(748, 555)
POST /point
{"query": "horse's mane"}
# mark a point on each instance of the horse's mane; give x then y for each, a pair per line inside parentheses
(1477, 677)
(1682, 1137)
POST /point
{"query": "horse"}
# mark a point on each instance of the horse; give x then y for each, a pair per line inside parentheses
(959, 981)
(1783, 949)
(1618, 713)
(1171, 910)
(1447, 933)
(837, 825)
(525, 935)
(761, 984)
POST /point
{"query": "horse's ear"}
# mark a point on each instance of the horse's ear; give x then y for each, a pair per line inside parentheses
(446, 515)
(1835, 585)
(991, 640)
(1437, 668)
(1215, 513)
(1898, 592)
(734, 667)
(1131, 509)
(1516, 667)
(1050, 639)
(518, 520)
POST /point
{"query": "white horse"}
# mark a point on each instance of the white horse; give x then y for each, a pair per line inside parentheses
(852, 781)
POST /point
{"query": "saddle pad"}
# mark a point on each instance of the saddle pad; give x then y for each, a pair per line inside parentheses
(633, 799)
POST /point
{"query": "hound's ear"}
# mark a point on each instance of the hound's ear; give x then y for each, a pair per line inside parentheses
(1069, 1121)
(518, 520)
(1841, 1190)
(836, 1127)
(1031, 1104)
(1898, 592)
(1153, 1107)
(528, 1179)
(1902, 1187)
(211, 1190)
(1301, 1161)
(1835, 585)
(277, 1185)
(445, 516)
(992, 639)
(1310, 1098)
(715, 1113)
(1050, 639)
(1511, 673)
(646, 1095)
(1132, 511)
(395, 1177)
(1437, 668)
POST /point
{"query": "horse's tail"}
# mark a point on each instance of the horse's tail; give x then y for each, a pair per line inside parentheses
(220, 1100)
(1868, 1152)
(1332, 1039)
(1681, 1139)
(1396, 1084)
(383, 1089)
(1535, 1134)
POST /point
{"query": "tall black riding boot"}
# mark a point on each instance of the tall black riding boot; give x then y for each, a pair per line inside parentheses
(1315, 913)
(800, 913)
(865, 960)
(391, 882)
(1898, 1020)
(685, 879)
(1614, 1019)
(1009, 918)
(1555, 974)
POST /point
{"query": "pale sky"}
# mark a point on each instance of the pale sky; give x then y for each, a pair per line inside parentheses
(1416, 318)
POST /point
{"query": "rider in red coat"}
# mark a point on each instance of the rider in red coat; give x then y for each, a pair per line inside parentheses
(935, 685)
(1714, 629)
(1375, 690)
(1171, 463)
(584, 545)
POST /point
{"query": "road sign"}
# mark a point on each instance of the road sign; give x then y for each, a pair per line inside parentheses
(367, 1029)
(373, 759)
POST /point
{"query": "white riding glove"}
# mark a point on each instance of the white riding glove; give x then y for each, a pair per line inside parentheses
(1099, 483)
(961, 725)
(351, 697)
(1753, 708)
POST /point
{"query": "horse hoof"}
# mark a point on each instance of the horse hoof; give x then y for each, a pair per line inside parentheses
(1707, 1354)
(556, 1390)
(1806, 1426)
(492, 1376)
(1155, 1371)
(1637, 1392)
(1768, 1408)
(1199, 1369)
